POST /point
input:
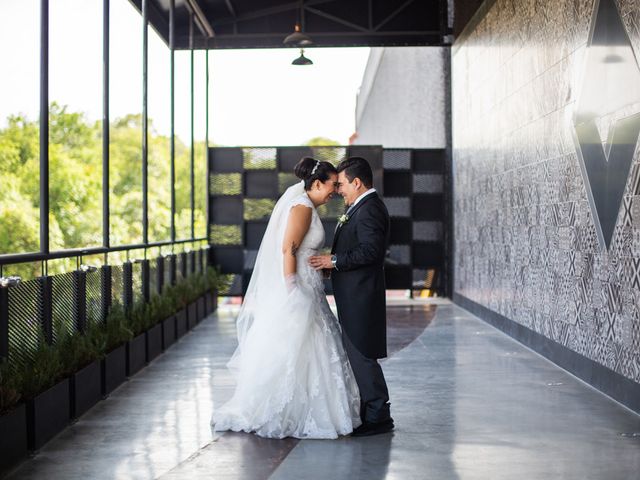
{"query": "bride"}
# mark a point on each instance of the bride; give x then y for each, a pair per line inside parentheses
(293, 378)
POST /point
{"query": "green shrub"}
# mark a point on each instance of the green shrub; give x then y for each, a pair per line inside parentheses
(44, 370)
(116, 328)
(10, 387)
(73, 351)
(79, 350)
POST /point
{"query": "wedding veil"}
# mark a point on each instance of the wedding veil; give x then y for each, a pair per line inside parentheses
(267, 290)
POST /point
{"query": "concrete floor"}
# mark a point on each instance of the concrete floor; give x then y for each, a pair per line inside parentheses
(468, 403)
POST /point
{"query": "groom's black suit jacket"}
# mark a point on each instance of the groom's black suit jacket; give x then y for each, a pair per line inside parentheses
(358, 280)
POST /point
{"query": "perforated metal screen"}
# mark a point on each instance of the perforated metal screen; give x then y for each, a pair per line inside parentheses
(245, 184)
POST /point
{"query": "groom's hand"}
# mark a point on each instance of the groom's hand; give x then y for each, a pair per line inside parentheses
(320, 262)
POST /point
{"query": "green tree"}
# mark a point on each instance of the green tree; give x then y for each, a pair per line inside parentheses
(321, 142)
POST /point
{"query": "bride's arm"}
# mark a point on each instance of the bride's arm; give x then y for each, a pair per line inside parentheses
(297, 227)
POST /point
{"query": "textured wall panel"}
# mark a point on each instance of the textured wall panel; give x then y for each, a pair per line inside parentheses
(527, 241)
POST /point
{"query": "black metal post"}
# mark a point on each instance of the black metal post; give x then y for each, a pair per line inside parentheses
(80, 299)
(46, 307)
(44, 126)
(183, 264)
(448, 230)
(206, 143)
(172, 269)
(172, 39)
(192, 256)
(106, 288)
(145, 147)
(4, 323)
(160, 273)
(127, 282)
(191, 165)
(146, 280)
(106, 242)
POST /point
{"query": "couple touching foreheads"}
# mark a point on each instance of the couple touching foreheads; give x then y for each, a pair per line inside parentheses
(299, 371)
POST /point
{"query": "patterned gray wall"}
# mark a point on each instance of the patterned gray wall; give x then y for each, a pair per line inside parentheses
(526, 237)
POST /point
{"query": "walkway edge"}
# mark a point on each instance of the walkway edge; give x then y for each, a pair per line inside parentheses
(612, 384)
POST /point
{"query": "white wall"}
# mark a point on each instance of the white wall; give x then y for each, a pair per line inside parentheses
(401, 103)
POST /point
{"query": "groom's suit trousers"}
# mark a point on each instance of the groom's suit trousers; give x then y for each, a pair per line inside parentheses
(374, 395)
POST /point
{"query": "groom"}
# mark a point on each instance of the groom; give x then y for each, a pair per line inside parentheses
(357, 263)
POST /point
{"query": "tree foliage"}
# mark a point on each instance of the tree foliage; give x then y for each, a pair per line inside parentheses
(75, 183)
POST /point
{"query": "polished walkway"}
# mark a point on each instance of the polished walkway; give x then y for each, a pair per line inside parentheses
(468, 401)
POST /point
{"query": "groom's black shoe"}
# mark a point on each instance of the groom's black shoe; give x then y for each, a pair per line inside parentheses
(367, 429)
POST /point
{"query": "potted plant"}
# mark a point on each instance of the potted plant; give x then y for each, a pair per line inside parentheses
(213, 285)
(13, 418)
(80, 355)
(139, 321)
(181, 293)
(114, 364)
(169, 322)
(156, 311)
(47, 395)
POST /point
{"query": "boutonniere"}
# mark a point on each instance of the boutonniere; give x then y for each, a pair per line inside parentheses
(344, 218)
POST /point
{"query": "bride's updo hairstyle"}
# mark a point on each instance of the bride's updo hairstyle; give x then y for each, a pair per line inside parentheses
(309, 169)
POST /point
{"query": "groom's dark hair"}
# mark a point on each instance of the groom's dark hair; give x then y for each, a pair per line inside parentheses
(357, 167)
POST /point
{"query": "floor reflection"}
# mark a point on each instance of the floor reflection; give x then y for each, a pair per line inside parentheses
(468, 402)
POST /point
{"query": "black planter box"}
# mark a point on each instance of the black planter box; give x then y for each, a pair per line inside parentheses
(47, 414)
(136, 354)
(181, 323)
(168, 332)
(211, 301)
(192, 314)
(13, 441)
(114, 369)
(154, 342)
(202, 313)
(85, 389)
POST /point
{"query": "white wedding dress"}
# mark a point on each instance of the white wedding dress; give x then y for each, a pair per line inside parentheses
(293, 378)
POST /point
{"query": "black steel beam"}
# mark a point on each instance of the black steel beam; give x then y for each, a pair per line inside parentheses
(36, 257)
(393, 14)
(44, 126)
(232, 10)
(106, 228)
(192, 156)
(46, 307)
(420, 38)
(127, 284)
(145, 121)
(80, 299)
(4, 323)
(106, 288)
(172, 37)
(335, 19)
(206, 141)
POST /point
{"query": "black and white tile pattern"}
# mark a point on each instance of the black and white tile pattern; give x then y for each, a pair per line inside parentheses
(526, 242)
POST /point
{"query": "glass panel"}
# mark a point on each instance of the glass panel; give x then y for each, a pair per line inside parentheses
(19, 126)
(125, 111)
(200, 151)
(182, 92)
(75, 126)
(159, 135)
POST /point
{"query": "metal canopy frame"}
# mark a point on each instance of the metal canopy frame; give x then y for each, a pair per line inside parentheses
(331, 23)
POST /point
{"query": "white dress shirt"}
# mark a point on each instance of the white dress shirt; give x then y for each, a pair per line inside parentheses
(362, 195)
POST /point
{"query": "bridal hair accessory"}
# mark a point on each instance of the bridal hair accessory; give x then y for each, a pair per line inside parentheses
(315, 167)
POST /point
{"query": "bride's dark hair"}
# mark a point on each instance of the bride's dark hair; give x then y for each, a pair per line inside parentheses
(309, 169)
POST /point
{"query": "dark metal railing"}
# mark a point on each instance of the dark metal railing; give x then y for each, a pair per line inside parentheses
(34, 310)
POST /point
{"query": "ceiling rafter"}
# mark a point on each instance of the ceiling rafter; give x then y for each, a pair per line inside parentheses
(265, 12)
(393, 15)
(333, 18)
